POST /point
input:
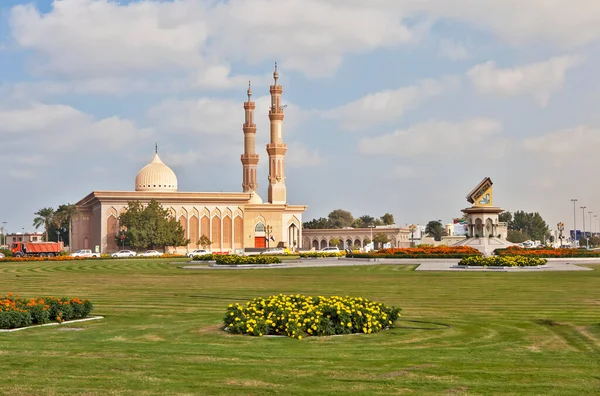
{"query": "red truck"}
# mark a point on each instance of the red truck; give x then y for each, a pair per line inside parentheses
(35, 249)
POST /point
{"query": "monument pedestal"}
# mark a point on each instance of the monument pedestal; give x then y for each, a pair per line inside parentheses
(484, 232)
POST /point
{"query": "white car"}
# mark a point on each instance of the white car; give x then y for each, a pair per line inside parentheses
(151, 253)
(198, 252)
(274, 251)
(1, 255)
(124, 253)
(84, 253)
(330, 249)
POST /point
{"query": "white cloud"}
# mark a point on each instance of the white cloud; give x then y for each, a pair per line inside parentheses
(388, 105)
(300, 156)
(537, 79)
(400, 172)
(562, 148)
(454, 50)
(47, 133)
(435, 137)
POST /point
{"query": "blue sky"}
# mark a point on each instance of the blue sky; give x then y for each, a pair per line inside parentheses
(397, 106)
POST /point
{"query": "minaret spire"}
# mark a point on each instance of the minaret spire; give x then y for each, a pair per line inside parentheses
(276, 148)
(249, 158)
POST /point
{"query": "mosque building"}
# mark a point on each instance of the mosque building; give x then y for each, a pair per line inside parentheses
(232, 221)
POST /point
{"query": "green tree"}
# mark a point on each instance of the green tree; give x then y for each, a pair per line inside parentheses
(530, 223)
(334, 242)
(380, 239)
(435, 230)
(516, 236)
(150, 227)
(366, 220)
(44, 218)
(340, 218)
(64, 220)
(388, 219)
(204, 241)
(316, 224)
(505, 217)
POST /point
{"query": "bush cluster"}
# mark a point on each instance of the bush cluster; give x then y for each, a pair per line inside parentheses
(18, 312)
(233, 259)
(546, 252)
(298, 316)
(6, 252)
(503, 261)
(424, 251)
(322, 254)
(103, 256)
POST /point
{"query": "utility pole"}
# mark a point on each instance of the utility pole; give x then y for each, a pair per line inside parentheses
(574, 200)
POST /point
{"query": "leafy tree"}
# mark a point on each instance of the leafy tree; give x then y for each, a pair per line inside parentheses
(63, 218)
(334, 242)
(316, 224)
(366, 220)
(378, 222)
(388, 219)
(505, 217)
(380, 239)
(44, 218)
(204, 242)
(150, 227)
(530, 223)
(366, 241)
(340, 218)
(435, 230)
(358, 223)
(516, 236)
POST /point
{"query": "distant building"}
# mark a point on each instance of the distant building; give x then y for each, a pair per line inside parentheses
(24, 237)
(316, 239)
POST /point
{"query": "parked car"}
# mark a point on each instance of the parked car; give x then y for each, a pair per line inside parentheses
(1, 255)
(330, 249)
(273, 251)
(124, 253)
(198, 252)
(84, 253)
(151, 253)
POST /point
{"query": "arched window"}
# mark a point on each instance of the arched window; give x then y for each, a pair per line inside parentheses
(260, 227)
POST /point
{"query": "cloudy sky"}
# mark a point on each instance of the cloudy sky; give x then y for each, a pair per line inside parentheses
(398, 106)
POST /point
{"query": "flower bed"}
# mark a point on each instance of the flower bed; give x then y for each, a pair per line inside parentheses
(102, 257)
(547, 252)
(423, 252)
(503, 261)
(322, 254)
(18, 312)
(299, 316)
(235, 259)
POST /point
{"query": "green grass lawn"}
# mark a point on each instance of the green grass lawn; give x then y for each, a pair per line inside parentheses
(512, 333)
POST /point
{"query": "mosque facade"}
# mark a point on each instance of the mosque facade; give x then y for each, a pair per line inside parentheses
(232, 221)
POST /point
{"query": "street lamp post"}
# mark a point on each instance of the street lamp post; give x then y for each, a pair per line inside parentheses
(371, 227)
(574, 222)
(561, 227)
(596, 216)
(4, 233)
(268, 232)
(412, 228)
(583, 208)
(591, 228)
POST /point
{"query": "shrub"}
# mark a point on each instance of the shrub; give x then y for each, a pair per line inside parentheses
(503, 261)
(16, 312)
(6, 252)
(322, 254)
(546, 252)
(298, 316)
(235, 259)
(423, 251)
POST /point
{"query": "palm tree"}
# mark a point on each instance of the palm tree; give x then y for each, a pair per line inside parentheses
(44, 217)
(65, 213)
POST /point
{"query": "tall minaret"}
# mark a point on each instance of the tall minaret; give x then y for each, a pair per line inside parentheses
(276, 149)
(249, 158)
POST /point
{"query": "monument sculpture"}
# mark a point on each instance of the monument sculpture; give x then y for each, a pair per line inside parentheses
(484, 232)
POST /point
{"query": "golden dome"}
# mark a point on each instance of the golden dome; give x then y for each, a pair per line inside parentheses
(156, 176)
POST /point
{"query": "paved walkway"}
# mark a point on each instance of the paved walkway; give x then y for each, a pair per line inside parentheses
(569, 264)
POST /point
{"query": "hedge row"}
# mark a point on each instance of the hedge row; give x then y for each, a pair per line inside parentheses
(503, 261)
(235, 259)
(322, 254)
(18, 312)
(546, 252)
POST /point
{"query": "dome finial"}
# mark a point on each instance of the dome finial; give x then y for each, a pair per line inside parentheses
(156, 148)
(249, 90)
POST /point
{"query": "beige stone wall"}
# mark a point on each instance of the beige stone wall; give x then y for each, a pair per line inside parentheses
(318, 239)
